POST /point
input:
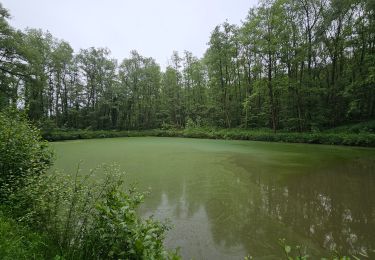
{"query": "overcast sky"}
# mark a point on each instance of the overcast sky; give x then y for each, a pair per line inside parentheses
(152, 27)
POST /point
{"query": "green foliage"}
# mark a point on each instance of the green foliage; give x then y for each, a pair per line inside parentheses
(363, 127)
(117, 232)
(22, 152)
(292, 253)
(334, 138)
(190, 124)
(18, 241)
(85, 219)
(291, 66)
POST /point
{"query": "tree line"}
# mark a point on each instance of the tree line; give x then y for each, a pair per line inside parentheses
(297, 65)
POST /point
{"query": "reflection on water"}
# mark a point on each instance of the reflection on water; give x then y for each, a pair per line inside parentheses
(228, 199)
(246, 212)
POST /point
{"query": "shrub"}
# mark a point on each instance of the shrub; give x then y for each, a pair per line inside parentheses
(91, 217)
(118, 233)
(22, 152)
(190, 124)
(361, 139)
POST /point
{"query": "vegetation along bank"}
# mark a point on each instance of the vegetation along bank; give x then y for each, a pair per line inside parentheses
(352, 138)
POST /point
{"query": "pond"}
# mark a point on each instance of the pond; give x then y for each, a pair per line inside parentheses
(228, 199)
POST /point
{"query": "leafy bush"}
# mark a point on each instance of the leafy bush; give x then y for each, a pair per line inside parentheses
(88, 217)
(118, 232)
(363, 127)
(22, 152)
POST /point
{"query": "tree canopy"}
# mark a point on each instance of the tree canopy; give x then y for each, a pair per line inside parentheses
(296, 65)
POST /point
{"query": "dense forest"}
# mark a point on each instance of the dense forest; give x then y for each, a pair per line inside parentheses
(296, 65)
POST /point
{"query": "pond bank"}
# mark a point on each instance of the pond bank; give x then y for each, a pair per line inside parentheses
(350, 139)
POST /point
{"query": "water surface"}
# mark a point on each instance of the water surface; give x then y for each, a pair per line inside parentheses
(229, 199)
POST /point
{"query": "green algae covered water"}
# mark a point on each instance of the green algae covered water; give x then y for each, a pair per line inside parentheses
(230, 199)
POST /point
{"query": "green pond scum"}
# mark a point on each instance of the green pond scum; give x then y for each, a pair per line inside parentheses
(231, 199)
